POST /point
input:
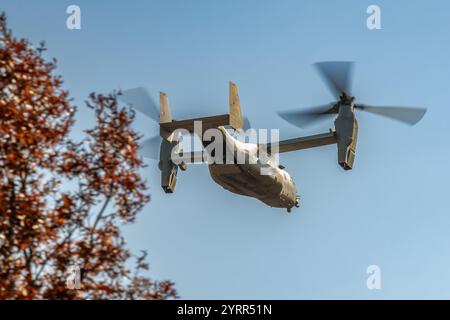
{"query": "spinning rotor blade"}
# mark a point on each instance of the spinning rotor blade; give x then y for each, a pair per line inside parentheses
(140, 99)
(308, 117)
(406, 115)
(337, 75)
(150, 148)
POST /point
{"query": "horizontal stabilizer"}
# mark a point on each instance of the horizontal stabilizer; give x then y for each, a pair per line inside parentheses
(194, 157)
(206, 122)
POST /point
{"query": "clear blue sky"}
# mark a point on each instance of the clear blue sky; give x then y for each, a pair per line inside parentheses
(391, 210)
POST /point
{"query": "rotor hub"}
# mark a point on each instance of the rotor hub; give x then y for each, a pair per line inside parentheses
(346, 99)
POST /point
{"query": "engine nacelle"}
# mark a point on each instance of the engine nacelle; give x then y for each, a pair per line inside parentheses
(168, 169)
(347, 136)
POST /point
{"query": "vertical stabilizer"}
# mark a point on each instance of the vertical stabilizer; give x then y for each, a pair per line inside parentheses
(164, 111)
(235, 108)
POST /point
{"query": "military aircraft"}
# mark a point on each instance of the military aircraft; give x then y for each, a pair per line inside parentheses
(259, 175)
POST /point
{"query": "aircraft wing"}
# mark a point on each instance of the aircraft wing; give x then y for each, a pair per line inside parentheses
(301, 143)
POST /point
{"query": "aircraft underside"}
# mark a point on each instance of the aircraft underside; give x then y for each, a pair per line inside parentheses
(244, 180)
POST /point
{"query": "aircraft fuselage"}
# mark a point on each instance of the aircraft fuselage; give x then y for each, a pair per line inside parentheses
(256, 178)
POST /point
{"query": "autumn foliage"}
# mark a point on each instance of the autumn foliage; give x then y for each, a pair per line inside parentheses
(62, 202)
